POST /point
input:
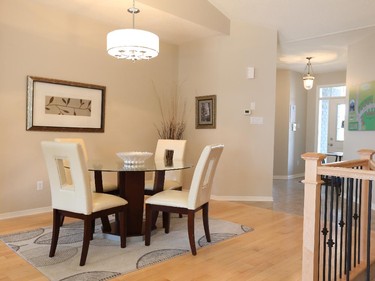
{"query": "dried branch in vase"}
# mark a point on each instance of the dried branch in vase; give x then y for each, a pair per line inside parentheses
(172, 110)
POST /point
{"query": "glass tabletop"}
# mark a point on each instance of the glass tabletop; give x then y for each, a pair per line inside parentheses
(150, 165)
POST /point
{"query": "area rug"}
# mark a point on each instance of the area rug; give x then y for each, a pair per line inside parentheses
(106, 259)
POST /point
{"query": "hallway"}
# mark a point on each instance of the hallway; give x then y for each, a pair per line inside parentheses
(287, 195)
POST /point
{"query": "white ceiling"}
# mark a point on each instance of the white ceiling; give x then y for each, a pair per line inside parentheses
(321, 29)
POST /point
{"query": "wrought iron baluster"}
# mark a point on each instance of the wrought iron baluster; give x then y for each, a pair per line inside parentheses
(346, 226)
(355, 217)
(325, 230)
(338, 192)
(360, 219)
(342, 224)
(349, 229)
(369, 231)
(330, 242)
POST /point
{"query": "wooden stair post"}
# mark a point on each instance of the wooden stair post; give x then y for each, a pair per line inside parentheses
(311, 216)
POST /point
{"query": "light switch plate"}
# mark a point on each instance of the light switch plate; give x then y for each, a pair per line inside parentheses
(256, 120)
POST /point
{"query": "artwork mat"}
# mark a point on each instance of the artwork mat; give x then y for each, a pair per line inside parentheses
(38, 120)
(211, 102)
(363, 93)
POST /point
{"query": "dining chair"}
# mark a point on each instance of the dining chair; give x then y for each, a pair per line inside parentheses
(187, 202)
(76, 199)
(172, 179)
(109, 186)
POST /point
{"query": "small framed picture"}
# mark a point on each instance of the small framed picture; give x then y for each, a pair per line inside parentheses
(205, 112)
(58, 105)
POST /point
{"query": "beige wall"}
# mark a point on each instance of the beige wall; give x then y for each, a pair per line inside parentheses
(282, 126)
(36, 40)
(289, 144)
(360, 69)
(297, 139)
(217, 66)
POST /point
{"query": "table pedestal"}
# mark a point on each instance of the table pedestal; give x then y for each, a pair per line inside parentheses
(131, 187)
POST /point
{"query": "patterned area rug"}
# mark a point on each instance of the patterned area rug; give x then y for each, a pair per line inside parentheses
(106, 259)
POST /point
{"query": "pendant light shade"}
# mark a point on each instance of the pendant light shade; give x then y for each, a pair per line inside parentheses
(308, 79)
(132, 44)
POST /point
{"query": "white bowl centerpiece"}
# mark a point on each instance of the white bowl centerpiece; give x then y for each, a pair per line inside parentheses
(135, 157)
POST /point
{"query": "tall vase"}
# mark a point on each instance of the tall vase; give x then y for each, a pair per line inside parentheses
(168, 157)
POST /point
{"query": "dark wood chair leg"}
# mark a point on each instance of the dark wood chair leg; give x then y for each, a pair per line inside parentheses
(166, 221)
(55, 232)
(191, 215)
(92, 229)
(122, 227)
(154, 219)
(179, 189)
(205, 222)
(87, 232)
(105, 223)
(148, 223)
(62, 220)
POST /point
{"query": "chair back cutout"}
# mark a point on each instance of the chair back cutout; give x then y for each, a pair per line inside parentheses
(201, 184)
(74, 196)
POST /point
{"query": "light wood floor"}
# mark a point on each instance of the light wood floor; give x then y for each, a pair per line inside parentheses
(271, 252)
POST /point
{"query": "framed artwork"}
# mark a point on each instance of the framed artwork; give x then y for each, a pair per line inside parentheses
(205, 112)
(58, 105)
(361, 107)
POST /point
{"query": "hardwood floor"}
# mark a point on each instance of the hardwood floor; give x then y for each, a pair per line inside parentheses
(271, 252)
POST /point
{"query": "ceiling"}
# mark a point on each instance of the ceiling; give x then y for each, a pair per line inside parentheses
(321, 29)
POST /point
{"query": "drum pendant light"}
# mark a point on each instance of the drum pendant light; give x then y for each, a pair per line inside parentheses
(132, 44)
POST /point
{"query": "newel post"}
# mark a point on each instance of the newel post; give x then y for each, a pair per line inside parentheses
(311, 217)
(366, 205)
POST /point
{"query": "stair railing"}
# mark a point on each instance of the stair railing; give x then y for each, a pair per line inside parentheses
(337, 216)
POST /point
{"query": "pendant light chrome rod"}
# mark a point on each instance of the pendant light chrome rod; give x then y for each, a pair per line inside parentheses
(133, 10)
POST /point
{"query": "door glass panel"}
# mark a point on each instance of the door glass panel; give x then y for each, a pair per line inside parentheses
(330, 123)
(331, 92)
(323, 126)
(340, 122)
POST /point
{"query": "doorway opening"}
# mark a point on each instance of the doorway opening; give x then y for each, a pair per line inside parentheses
(331, 118)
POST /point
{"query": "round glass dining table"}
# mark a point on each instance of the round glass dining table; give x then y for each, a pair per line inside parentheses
(131, 184)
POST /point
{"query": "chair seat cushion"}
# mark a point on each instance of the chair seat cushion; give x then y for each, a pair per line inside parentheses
(168, 184)
(103, 201)
(172, 198)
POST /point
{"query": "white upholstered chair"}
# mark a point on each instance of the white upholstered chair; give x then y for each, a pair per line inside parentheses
(172, 179)
(187, 202)
(76, 199)
(109, 186)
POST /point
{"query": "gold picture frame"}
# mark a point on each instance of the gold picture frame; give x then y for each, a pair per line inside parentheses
(64, 106)
(205, 112)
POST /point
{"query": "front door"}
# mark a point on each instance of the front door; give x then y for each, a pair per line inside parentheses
(336, 125)
(331, 120)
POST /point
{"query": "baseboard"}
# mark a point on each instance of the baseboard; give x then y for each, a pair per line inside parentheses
(25, 213)
(242, 198)
(288, 177)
